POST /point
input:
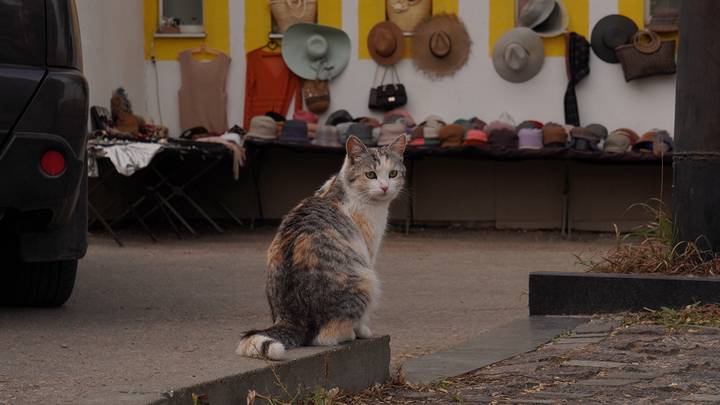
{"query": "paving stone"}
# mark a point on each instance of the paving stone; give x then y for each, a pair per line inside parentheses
(578, 341)
(588, 335)
(634, 375)
(597, 382)
(643, 330)
(532, 401)
(520, 368)
(703, 398)
(593, 363)
(598, 326)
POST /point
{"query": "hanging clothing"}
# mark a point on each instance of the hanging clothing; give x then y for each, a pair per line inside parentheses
(203, 101)
(577, 64)
(269, 85)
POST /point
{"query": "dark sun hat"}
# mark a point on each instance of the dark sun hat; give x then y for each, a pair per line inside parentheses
(609, 33)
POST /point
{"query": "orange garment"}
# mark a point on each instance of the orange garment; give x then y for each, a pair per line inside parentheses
(269, 85)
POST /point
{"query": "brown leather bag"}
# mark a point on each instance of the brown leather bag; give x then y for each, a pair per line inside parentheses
(316, 94)
(647, 56)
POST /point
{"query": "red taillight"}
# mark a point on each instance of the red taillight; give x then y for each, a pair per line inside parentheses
(52, 163)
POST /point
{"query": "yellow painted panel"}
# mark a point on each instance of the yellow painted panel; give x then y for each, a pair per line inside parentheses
(330, 13)
(445, 6)
(371, 12)
(258, 20)
(217, 30)
(502, 19)
(633, 9)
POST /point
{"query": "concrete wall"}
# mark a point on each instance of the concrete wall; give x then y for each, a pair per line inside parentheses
(476, 90)
(112, 43)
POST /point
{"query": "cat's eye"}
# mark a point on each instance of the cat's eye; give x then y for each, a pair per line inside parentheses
(371, 175)
(392, 174)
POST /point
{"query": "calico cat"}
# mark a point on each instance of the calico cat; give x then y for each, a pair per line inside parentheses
(321, 283)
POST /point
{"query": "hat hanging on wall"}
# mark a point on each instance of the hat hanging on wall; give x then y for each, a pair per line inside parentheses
(518, 55)
(386, 43)
(407, 14)
(609, 33)
(314, 51)
(549, 18)
(441, 46)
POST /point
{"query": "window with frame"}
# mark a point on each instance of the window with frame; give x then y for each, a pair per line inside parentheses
(662, 15)
(181, 16)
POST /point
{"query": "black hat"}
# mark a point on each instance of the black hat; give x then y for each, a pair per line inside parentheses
(609, 33)
(294, 131)
(338, 117)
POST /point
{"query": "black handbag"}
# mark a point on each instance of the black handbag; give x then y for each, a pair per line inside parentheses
(386, 97)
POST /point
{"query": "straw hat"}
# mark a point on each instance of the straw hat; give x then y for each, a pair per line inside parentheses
(407, 14)
(609, 33)
(441, 46)
(314, 51)
(262, 127)
(386, 43)
(518, 55)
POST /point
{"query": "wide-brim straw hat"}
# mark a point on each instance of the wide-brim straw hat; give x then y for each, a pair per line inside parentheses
(386, 43)
(518, 55)
(609, 33)
(441, 45)
(314, 51)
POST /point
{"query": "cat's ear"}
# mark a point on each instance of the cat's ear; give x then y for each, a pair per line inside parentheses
(355, 148)
(398, 145)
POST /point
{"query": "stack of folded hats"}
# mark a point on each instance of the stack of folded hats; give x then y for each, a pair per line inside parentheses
(343, 129)
(390, 132)
(431, 130)
(311, 120)
(364, 132)
(620, 140)
(294, 131)
(476, 137)
(531, 124)
(477, 123)
(338, 117)
(554, 135)
(373, 122)
(451, 136)
(278, 118)
(588, 138)
(327, 135)
(262, 127)
(399, 115)
(501, 135)
(656, 141)
(530, 138)
(465, 123)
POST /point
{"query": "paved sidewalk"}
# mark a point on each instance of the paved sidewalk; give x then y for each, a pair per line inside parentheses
(600, 363)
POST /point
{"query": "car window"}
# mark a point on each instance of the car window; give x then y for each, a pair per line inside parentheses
(22, 32)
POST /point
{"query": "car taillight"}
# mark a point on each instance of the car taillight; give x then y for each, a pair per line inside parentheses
(52, 163)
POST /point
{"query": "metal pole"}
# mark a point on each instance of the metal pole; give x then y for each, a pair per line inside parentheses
(696, 161)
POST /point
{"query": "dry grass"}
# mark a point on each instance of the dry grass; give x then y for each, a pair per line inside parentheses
(679, 319)
(649, 250)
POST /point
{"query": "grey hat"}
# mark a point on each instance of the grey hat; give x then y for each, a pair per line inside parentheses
(327, 135)
(364, 132)
(599, 130)
(262, 127)
(535, 12)
(338, 117)
(518, 55)
(389, 133)
(314, 51)
(343, 129)
(556, 23)
(617, 142)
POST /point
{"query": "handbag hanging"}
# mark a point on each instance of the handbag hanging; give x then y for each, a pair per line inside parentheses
(386, 97)
(317, 95)
(647, 56)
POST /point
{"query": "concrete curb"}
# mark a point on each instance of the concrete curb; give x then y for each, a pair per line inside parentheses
(509, 340)
(553, 293)
(351, 367)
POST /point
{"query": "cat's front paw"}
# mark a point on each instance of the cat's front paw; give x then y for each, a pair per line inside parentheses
(363, 332)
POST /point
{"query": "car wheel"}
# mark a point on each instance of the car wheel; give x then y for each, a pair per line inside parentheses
(41, 284)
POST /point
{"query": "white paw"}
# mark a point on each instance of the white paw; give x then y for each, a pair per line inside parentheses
(363, 332)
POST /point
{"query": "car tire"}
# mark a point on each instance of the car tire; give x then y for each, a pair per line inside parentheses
(41, 284)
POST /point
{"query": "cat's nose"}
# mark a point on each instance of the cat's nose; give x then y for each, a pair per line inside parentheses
(384, 189)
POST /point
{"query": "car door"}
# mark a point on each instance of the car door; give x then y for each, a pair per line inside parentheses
(22, 59)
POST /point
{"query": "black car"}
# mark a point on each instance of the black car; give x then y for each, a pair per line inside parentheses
(43, 135)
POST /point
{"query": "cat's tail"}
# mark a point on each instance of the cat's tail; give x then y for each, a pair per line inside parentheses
(272, 342)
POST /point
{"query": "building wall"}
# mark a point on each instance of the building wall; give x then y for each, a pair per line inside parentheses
(112, 43)
(475, 90)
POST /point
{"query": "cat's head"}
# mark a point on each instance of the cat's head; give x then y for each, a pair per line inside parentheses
(374, 174)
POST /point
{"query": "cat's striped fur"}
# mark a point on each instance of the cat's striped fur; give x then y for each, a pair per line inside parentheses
(321, 279)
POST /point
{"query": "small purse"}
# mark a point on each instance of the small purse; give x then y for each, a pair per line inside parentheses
(317, 95)
(646, 56)
(386, 97)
